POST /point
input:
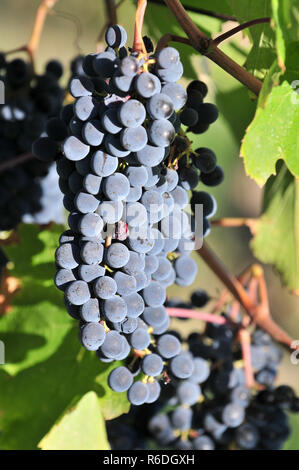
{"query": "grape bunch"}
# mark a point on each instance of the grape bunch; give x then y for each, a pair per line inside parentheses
(219, 411)
(120, 169)
(206, 405)
(30, 100)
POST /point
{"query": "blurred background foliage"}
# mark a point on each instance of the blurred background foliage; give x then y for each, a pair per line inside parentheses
(73, 29)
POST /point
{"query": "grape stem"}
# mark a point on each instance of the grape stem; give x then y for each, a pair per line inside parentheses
(201, 11)
(41, 14)
(258, 313)
(241, 27)
(205, 46)
(244, 336)
(138, 44)
(196, 314)
(249, 222)
(19, 160)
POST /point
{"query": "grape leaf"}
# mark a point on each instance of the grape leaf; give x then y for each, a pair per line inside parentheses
(276, 240)
(67, 434)
(262, 53)
(285, 15)
(273, 135)
(293, 441)
(37, 323)
(32, 401)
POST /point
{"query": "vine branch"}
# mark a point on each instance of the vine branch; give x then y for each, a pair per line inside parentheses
(41, 14)
(258, 313)
(19, 160)
(111, 12)
(205, 46)
(239, 28)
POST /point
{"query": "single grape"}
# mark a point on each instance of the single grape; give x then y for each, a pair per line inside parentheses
(110, 121)
(117, 255)
(203, 443)
(125, 284)
(116, 36)
(116, 187)
(90, 311)
(154, 295)
(176, 93)
(140, 339)
(77, 292)
(132, 113)
(160, 106)
(172, 73)
(137, 175)
(188, 393)
(81, 86)
(134, 139)
(74, 149)
(152, 365)
(120, 379)
(168, 346)
(205, 159)
(138, 393)
(214, 178)
(67, 256)
(147, 85)
(161, 132)
(105, 287)
(181, 418)
(135, 305)
(115, 309)
(129, 66)
(85, 203)
(182, 366)
(63, 277)
(92, 132)
(201, 370)
(113, 345)
(154, 390)
(90, 225)
(233, 415)
(150, 156)
(92, 336)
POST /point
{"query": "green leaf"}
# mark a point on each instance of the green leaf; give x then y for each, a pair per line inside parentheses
(293, 442)
(286, 16)
(81, 428)
(38, 323)
(276, 240)
(262, 53)
(273, 135)
(33, 400)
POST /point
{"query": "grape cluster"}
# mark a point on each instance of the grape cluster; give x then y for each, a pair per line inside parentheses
(30, 99)
(121, 144)
(206, 405)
